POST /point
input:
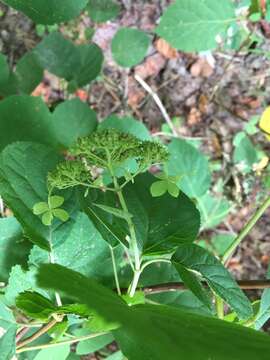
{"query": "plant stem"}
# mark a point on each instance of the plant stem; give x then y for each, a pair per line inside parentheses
(247, 228)
(52, 261)
(65, 342)
(133, 240)
(39, 333)
(219, 307)
(144, 266)
(115, 272)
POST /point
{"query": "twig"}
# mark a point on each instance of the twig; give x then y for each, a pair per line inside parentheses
(176, 286)
(39, 333)
(158, 102)
(65, 342)
(251, 223)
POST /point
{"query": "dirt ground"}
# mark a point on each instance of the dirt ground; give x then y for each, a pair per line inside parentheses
(214, 94)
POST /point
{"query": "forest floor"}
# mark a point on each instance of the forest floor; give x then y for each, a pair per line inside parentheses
(211, 97)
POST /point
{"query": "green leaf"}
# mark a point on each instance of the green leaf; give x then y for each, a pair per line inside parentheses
(56, 201)
(126, 125)
(13, 249)
(116, 356)
(55, 353)
(196, 258)
(35, 305)
(102, 10)
(40, 208)
(73, 119)
(28, 73)
(70, 120)
(4, 70)
(193, 283)
(176, 331)
(114, 211)
(23, 172)
(20, 281)
(49, 11)
(61, 214)
(58, 55)
(158, 230)
(246, 154)
(189, 25)
(95, 344)
(129, 47)
(158, 188)
(191, 166)
(78, 245)
(264, 311)
(213, 210)
(8, 330)
(173, 189)
(91, 64)
(79, 64)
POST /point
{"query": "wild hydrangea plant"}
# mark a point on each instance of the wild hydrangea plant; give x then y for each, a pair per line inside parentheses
(112, 216)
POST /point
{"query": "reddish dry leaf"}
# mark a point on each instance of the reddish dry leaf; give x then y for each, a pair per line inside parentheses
(81, 94)
(201, 68)
(151, 67)
(135, 93)
(194, 117)
(165, 49)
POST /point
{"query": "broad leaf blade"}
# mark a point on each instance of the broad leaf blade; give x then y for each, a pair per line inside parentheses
(23, 172)
(191, 166)
(219, 279)
(49, 11)
(191, 25)
(176, 331)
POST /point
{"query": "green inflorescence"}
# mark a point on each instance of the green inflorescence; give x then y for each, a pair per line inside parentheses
(105, 149)
(68, 174)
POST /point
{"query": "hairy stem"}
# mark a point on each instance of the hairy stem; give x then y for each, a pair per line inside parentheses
(247, 228)
(65, 342)
(115, 271)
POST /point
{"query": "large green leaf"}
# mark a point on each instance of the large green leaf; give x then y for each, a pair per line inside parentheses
(213, 210)
(23, 172)
(126, 124)
(13, 248)
(192, 167)
(20, 281)
(192, 25)
(79, 64)
(8, 330)
(159, 230)
(102, 10)
(4, 70)
(264, 311)
(72, 119)
(129, 46)
(55, 353)
(34, 121)
(79, 246)
(195, 258)
(159, 332)
(92, 345)
(49, 11)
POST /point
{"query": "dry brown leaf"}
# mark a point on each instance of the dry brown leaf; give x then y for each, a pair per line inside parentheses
(201, 68)
(194, 117)
(151, 67)
(135, 93)
(165, 49)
